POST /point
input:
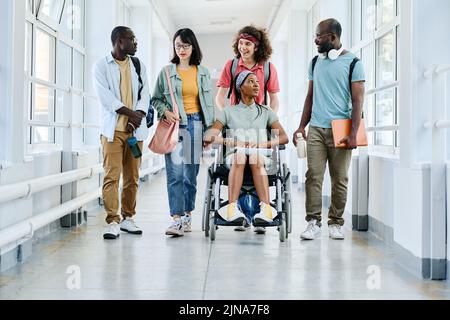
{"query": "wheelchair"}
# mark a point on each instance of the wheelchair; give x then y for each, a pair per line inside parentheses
(279, 178)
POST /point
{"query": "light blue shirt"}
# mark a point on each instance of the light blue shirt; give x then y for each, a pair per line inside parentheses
(331, 96)
(107, 86)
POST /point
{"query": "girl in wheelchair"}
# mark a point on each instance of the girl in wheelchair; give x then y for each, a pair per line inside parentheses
(247, 124)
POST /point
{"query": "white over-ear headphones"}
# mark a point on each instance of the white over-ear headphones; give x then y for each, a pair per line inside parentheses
(333, 54)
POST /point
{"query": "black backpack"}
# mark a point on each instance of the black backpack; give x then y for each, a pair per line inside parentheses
(233, 69)
(151, 112)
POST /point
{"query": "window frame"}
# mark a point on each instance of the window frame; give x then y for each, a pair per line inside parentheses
(60, 38)
(374, 40)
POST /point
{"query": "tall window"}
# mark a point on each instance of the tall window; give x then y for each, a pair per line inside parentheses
(313, 21)
(375, 33)
(54, 66)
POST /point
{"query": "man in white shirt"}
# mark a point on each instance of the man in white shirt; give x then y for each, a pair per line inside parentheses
(124, 98)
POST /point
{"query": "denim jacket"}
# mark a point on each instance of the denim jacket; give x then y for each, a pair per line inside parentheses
(162, 101)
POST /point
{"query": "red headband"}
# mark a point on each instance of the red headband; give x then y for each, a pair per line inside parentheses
(249, 37)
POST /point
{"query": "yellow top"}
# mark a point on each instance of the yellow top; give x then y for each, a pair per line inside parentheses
(190, 90)
(126, 92)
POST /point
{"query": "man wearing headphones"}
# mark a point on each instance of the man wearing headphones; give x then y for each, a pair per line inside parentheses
(336, 91)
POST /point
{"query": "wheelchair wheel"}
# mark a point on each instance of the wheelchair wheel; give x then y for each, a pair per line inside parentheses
(212, 228)
(287, 203)
(207, 229)
(206, 204)
(283, 229)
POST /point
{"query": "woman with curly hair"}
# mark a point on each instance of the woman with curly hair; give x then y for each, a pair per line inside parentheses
(253, 51)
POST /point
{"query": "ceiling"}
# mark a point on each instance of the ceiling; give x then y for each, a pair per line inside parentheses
(220, 16)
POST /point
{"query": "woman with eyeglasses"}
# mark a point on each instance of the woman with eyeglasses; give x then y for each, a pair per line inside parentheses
(191, 84)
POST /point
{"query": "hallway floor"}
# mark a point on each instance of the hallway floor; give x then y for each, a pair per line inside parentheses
(238, 266)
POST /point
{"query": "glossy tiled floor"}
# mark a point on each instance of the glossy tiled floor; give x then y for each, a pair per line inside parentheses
(237, 266)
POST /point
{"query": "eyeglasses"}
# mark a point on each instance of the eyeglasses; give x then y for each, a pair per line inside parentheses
(320, 36)
(178, 47)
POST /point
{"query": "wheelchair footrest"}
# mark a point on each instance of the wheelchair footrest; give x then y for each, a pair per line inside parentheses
(276, 223)
(219, 221)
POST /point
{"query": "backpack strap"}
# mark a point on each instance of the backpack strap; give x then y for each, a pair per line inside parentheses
(350, 75)
(137, 66)
(314, 62)
(267, 74)
(350, 78)
(233, 69)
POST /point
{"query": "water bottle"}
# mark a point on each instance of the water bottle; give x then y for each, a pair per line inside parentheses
(301, 147)
(135, 150)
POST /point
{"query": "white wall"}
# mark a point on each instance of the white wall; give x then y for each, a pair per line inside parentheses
(428, 50)
(410, 191)
(142, 27)
(12, 119)
(12, 57)
(5, 114)
(413, 179)
(217, 49)
(338, 10)
(448, 216)
(162, 54)
(98, 38)
(381, 193)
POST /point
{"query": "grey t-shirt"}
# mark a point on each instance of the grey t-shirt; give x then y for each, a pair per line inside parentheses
(247, 123)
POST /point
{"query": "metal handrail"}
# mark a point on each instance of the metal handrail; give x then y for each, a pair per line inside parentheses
(443, 124)
(24, 189)
(439, 69)
(379, 89)
(384, 128)
(428, 74)
(34, 123)
(442, 69)
(25, 230)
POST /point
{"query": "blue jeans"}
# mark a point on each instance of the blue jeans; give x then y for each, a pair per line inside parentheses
(249, 205)
(183, 166)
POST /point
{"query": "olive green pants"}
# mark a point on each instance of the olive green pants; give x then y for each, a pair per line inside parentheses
(321, 151)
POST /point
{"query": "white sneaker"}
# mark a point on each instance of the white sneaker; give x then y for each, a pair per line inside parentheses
(312, 231)
(186, 221)
(175, 229)
(112, 231)
(234, 213)
(128, 225)
(336, 232)
(266, 215)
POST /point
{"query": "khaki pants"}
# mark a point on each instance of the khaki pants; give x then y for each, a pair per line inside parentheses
(320, 151)
(118, 159)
